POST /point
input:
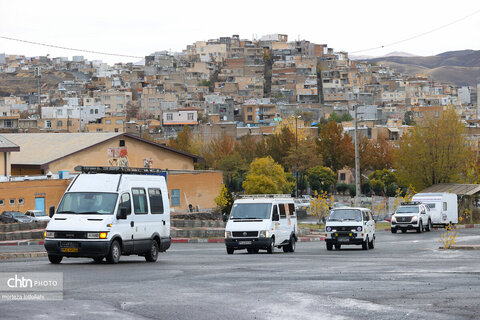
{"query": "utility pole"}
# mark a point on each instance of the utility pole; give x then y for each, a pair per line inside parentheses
(296, 147)
(357, 159)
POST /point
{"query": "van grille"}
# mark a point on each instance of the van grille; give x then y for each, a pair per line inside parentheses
(245, 233)
(70, 235)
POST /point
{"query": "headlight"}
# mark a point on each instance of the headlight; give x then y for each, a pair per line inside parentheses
(394, 218)
(414, 218)
(97, 235)
(328, 229)
(359, 228)
(263, 234)
(228, 234)
(49, 234)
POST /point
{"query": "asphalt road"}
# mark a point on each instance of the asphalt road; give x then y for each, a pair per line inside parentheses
(405, 276)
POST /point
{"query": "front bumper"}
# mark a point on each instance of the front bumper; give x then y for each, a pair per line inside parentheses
(404, 225)
(248, 243)
(340, 237)
(86, 249)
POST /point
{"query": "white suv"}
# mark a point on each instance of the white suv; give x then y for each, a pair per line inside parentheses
(411, 216)
(346, 226)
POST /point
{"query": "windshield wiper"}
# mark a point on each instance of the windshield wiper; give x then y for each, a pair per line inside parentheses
(89, 212)
(66, 212)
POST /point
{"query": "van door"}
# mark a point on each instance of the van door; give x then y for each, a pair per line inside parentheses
(283, 223)
(140, 233)
(125, 227)
(158, 220)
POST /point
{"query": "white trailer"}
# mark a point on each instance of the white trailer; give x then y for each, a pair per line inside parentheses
(443, 207)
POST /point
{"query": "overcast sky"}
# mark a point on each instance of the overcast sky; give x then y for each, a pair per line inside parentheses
(138, 28)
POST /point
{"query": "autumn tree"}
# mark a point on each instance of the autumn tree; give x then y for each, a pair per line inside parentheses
(183, 141)
(218, 148)
(433, 152)
(265, 176)
(224, 199)
(278, 144)
(234, 168)
(336, 148)
(383, 182)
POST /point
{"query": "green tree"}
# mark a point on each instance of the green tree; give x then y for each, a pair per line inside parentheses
(265, 177)
(234, 168)
(321, 178)
(435, 151)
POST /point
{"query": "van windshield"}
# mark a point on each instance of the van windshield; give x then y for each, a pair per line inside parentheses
(251, 211)
(88, 203)
(345, 214)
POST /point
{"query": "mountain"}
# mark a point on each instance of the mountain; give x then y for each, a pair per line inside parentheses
(458, 67)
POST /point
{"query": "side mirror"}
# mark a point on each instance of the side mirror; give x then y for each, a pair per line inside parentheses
(276, 217)
(224, 217)
(122, 214)
(51, 211)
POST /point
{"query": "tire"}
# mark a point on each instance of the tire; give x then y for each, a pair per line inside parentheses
(152, 254)
(329, 246)
(404, 230)
(55, 259)
(371, 244)
(365, 244)
(394, 230)
(271, 248)
(114, 253)
(429, 226)
(98, 259)
(230, 250)
(290, 247)
(420, 227)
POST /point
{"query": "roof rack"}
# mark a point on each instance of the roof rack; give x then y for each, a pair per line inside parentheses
(122, 170)
(413, 203)
(245, 196)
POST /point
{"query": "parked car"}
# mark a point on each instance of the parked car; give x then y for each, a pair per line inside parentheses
(14, 216)
(37, 215)
(350, 226)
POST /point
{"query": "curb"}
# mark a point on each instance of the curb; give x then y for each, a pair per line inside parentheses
(12, 255)
(221, 240)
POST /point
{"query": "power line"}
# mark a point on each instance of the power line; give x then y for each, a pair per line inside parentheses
(70, 49)
(421, 34)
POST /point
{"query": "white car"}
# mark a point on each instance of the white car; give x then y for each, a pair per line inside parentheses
(37, 215)
(262, 222)
(411, 216)
(350, 226)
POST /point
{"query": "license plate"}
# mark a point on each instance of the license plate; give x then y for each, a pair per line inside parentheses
(68, 244)
(244, 242)
(69, 249)
(343, 239)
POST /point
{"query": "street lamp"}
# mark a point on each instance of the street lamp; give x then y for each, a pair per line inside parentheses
(296, 146)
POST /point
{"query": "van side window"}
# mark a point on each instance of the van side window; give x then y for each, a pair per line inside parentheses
(125, 203)
(139, 201)
(444, 206)
(365, 216)
(156, 201)
(291, 209)
(275, 210)
(283, 213)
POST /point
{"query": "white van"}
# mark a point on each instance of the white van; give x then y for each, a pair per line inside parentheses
(262, 222)
(443, 207)
(107, 212)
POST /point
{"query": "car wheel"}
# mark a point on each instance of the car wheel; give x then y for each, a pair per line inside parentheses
(55, 259)
(338, 246)
(329, 246)
(290, 247)
(371, 244)
(394, 230)
(365, 244)
(429, 226)
(114, 253)
(404, 230)
(271, 248)
(230, 250)
(98, 259)
(152, 255)
(420, 227)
